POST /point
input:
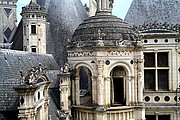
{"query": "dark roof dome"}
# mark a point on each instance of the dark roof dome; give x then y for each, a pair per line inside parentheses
(102, 27)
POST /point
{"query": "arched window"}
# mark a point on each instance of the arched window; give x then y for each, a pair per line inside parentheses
(85, 86)
(118, 96)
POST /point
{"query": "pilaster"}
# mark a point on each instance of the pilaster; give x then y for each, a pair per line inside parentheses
(100, 82)
(65, 93)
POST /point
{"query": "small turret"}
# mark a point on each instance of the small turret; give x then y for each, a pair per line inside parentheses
(34, 28)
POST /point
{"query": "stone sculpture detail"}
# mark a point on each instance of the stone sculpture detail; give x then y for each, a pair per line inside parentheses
(33, 74)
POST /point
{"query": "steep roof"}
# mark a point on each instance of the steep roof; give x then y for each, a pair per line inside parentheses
(64, 16)
(17, 40)
(148, 11)
(103, 26)
(11, 62)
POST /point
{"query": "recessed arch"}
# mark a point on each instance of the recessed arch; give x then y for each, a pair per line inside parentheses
(84, 77)
(127, 68)
(78, 65)
(118, 73)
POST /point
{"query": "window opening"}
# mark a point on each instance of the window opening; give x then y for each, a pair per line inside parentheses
(156, 71)
(118, 86)
(33, 29)
(85, 85)
(33, 50)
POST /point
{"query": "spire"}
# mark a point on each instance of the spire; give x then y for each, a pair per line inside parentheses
(104, 5)
(34, 1)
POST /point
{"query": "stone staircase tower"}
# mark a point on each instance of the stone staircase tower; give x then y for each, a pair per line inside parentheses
(34, 28)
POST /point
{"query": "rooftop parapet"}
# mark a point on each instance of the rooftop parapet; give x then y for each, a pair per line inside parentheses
(158, 27)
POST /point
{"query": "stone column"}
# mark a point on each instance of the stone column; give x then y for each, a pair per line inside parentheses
(100, 82)
(139, 73)
(132, 90)
(65, 95)
(94, 90)
(77, 90)
(108, 90)
(128, 90)
(177, 114)
(140, 80)
(73, 92)
(103, 5)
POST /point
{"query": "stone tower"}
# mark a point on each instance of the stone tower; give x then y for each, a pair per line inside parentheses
(34, 28)
(106, 60)
(7, 19)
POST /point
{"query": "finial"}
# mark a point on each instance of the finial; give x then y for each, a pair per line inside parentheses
(33, 1)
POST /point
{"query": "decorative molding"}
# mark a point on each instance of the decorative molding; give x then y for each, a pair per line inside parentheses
(80, 54)
(35, 74)
(157, 26)
(64, 89)
(119, 53)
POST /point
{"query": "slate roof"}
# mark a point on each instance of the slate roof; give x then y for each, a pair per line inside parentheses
(103, 26)
(64, 16)
(11, 62)
(148, 11)
(17, 40)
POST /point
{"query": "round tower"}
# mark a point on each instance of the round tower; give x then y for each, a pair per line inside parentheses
(106, 62)
(34, 28)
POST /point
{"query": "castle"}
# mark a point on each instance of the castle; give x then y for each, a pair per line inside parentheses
(61, 64)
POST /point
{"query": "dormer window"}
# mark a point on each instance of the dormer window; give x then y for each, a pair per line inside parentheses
(33, 29)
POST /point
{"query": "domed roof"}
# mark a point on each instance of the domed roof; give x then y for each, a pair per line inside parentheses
(102, 27)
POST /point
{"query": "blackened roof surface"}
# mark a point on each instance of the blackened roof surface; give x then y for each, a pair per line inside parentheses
(64, 16)
(17, 40)
(112, 27)
(11, 62)
(148, 11)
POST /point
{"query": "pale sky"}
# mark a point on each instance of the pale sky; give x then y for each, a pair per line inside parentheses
(120, 7)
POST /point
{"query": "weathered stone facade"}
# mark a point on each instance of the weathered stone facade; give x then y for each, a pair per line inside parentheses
(161, 71)
(33, 93)
(106, 60)
(34, 28)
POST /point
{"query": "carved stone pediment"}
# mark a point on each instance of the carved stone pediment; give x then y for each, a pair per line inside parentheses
(34, 75)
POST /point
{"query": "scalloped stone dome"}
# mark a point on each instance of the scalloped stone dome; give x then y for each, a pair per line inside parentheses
(107, 27)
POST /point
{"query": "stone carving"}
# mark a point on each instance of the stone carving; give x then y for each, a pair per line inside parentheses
(157, 26)
(111, 3)
(64, 89)
(80, 44)
(100, 65)
(33, 74)
(79, 54)
(119, 53)
(65, 69)
(139, 63)
(99, 36)
(123, 43)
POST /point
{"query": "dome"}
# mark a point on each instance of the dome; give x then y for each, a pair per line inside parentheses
(104, 28)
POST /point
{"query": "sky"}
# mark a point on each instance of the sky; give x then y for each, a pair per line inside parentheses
(120, 7)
